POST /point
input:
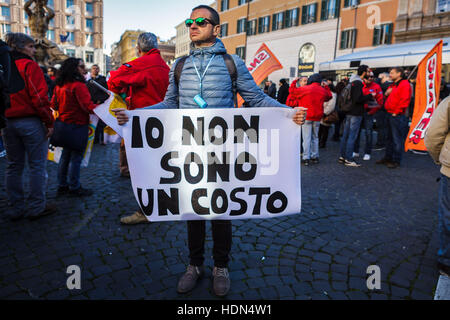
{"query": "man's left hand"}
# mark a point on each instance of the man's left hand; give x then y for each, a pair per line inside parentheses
(300, 117)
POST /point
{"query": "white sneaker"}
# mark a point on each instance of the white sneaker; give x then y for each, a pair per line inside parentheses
(355, 155)
(3, 154)
(366, 157)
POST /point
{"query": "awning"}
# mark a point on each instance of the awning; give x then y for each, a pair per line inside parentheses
(394, 55)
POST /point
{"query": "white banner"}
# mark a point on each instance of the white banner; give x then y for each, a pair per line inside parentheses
(204, 164)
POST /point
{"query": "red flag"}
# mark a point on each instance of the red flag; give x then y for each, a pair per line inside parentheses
(428, 83)
(263, 63)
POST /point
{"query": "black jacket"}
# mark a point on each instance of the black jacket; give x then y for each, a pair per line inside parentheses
(358, 98)
(97, 95)
(283, 93)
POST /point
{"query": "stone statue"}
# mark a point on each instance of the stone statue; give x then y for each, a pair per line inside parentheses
(47, 52)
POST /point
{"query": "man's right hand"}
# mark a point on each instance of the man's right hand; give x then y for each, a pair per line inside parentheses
(121, 115)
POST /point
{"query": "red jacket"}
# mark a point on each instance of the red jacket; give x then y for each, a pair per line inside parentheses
(144, 80)
(379, 98)
(312, 97)
(73, 102)
(33, 99)
(398, 101)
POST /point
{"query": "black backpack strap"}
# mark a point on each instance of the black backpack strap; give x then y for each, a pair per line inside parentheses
(231, 66)
(179, 69)
(177, 75)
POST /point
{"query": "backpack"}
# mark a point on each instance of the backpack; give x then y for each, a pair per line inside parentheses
(10, 80)
(231, 66)
(345, 99)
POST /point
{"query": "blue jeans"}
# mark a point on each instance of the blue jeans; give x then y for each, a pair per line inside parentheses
(397, 131)
(69, 167)
(310, 134)
(382, 129)
(25, 138)
(444, 221)
(2, 147)
(351, 130)
(368, 126)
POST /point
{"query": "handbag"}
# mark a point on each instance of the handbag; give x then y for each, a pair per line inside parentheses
(331, 118)
(69, 135)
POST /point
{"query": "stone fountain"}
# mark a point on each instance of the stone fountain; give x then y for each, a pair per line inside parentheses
(39, 16)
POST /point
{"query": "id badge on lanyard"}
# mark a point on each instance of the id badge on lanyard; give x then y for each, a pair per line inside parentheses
(198, 99)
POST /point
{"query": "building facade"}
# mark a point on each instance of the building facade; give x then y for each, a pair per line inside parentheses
(422, 20)
(124, 50)
(301, 33)
(77, 27)
(182, 41)
(304, 33)
(365, 24)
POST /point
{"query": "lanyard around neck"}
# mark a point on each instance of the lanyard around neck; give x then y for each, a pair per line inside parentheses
(200, 78)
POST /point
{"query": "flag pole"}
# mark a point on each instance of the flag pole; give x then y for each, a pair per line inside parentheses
(100, 87)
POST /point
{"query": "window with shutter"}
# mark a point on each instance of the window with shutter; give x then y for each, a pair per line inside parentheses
(297, 11)
(287, 19)
(343, 39)
(304, 14)
(324, 11)
(376, 36)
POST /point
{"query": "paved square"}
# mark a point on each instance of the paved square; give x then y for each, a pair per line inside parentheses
(351, 218)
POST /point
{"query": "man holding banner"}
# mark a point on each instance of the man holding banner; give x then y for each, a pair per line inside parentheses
(205, 82)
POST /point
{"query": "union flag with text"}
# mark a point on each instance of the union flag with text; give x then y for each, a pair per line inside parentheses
(428, 84)
(263, 63)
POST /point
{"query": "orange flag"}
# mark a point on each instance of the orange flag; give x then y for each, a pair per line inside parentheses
(428, 83)
(263, 64)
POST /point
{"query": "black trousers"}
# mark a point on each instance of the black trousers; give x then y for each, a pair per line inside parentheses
(323, 135)
(221, 233)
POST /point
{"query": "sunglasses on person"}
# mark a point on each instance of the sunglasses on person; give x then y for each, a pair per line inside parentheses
(201, 22)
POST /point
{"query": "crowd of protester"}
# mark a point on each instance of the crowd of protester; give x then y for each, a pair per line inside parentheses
(351, 107)
(30, 122)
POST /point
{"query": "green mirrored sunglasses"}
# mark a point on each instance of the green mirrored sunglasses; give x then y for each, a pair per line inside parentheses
(201, 22)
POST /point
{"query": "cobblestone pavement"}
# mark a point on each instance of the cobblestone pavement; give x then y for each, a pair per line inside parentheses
(351, 218)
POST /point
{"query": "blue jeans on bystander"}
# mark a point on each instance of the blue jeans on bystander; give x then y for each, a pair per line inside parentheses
(25, 138)
(351, 130)
(368, 130)
(444, 221)
(69, 167)
(397, 131)
(310, 135)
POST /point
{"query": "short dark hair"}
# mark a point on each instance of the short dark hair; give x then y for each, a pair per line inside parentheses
(215, 18)
(362, 68)
(399, 69)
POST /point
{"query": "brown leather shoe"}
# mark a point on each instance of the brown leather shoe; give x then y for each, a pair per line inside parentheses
(188, 281)
(221, 281)
(383, 161)
(49, 209)
(393, 165)
(135, 218)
